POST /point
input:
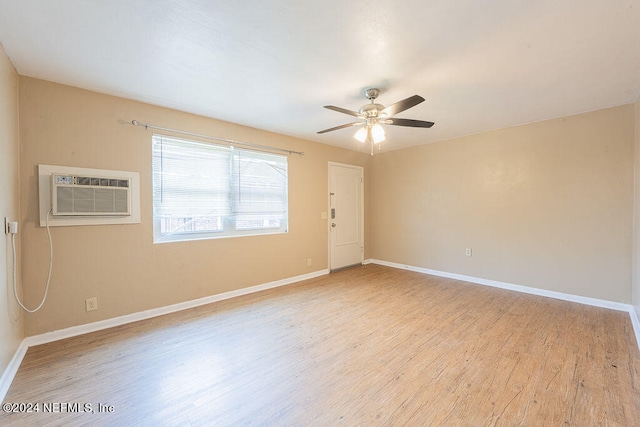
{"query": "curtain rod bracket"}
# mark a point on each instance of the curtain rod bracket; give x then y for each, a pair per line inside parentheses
(215, 138)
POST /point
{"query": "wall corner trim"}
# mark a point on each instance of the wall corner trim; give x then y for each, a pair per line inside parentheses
(11, 370)
(612, 305)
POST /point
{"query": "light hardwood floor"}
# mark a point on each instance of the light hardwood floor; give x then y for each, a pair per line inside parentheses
(365, 346)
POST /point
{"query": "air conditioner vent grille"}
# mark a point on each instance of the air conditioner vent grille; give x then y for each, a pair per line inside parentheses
(87, 195)
(99, 182)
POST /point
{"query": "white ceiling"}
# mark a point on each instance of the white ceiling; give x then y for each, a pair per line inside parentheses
(273, 64)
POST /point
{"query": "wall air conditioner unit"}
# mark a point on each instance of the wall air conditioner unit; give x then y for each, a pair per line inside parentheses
(77, 195)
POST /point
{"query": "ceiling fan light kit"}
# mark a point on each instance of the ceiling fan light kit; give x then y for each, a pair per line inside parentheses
(373, 116)
(361, 135)
(377, 132)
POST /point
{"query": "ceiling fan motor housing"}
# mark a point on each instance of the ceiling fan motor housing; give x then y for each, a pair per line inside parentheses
(371, 110)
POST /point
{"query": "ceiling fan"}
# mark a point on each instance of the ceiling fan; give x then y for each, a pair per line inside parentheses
(373, 115)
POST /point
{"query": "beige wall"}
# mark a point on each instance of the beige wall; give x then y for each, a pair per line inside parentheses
(11, 327)
(636, 218)
(120, 264)
(546, 205)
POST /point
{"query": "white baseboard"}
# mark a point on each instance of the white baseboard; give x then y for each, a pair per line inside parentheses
(525, 289)
(10, 371)
(635, 321)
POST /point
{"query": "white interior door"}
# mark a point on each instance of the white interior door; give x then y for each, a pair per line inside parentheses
(346, 215)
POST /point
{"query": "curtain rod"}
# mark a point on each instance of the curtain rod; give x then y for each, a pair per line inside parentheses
(215, 138)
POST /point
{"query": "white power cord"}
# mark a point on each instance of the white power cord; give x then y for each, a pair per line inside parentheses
(46, 289)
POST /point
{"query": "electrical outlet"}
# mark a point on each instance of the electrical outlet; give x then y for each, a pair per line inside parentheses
(91, 304)
(6, 225)
(308, 262)
(468, 252)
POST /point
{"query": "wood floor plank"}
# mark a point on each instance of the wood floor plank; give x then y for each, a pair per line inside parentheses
(368, 345)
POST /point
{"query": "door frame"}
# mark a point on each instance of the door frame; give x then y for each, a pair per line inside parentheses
(361, 169)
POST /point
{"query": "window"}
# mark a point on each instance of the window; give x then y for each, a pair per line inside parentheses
(203, 191)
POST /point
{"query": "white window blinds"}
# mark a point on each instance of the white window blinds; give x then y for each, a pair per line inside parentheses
(203, 190)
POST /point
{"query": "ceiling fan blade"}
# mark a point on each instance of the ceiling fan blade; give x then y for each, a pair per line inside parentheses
(409, 122)
(341, 127)
(400, 106)
(343, 110)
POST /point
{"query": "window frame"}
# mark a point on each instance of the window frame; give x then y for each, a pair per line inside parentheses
(228, 223)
